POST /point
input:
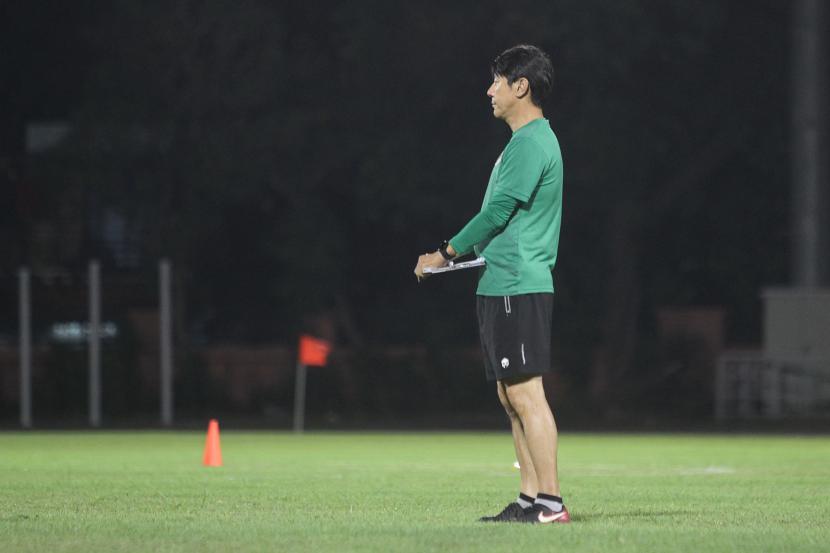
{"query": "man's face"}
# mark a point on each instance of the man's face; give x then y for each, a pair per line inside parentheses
(502, 96)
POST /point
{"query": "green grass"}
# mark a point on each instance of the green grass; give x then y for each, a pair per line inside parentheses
(141, 491)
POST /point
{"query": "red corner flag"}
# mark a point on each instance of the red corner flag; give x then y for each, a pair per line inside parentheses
(313, 351)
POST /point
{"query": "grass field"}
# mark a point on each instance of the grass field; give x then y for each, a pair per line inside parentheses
(142, 491)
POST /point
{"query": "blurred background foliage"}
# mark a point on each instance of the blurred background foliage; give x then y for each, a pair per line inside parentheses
(293, 159)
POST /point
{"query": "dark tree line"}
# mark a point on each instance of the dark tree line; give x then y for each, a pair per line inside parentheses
(293, 158)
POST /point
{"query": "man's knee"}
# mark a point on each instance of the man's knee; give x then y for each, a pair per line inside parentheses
(523, 395)
(505, 402)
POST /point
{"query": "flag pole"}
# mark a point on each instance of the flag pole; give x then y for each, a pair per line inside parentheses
(312, 352)
(299, 398)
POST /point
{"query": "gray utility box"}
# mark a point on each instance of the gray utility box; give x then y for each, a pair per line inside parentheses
(797, 323)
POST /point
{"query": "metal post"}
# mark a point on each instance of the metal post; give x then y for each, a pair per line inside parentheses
(746, 373)
(166, 340)
(94, 344)
(25, 349)
(721, 388)
(771, 390)
(299, 398)
(808, 176)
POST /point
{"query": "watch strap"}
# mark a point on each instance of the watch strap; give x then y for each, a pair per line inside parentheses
(443, 250)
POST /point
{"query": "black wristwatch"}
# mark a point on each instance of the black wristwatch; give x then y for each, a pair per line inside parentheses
(443, 249)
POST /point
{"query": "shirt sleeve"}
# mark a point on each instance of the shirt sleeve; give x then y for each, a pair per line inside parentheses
(522, 164)
(489, 222)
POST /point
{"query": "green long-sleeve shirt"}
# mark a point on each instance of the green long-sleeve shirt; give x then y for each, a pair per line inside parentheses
(517, 229)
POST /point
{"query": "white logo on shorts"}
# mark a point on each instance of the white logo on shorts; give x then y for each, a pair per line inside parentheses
(505, 362)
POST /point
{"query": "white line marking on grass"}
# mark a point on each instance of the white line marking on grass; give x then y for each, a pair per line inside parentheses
(622, 470)
(706, 470)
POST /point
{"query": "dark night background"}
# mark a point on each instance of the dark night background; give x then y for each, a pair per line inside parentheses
(292, 159)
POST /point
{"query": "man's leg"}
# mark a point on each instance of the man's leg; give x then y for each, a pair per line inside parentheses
(529, 483)
(527, 398)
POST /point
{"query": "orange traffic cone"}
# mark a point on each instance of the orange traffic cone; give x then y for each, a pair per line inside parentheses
(213, 453)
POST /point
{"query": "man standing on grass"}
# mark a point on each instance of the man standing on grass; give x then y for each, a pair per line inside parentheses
(517, 232)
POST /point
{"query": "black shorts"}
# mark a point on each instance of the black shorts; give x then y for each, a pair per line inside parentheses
(515, 334)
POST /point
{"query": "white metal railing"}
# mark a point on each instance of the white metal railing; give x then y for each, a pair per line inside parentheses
(755, 385)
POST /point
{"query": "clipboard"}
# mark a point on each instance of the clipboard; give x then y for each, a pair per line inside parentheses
(453, 266)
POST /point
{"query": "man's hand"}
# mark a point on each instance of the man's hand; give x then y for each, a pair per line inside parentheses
(434, 260)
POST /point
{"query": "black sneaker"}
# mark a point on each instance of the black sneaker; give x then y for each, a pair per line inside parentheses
(540, 515)
(512, 513)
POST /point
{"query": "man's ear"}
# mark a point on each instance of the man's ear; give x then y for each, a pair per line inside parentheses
(521, 87)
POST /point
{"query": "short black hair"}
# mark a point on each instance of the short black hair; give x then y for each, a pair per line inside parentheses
(529, 62)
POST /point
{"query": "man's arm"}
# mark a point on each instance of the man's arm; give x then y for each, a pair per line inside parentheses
(519, 173)
(489, 222)
(521, 165)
